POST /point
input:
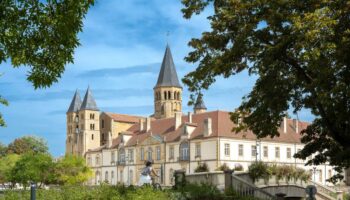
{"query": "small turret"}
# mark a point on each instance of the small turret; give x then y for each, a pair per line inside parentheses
(199, 106)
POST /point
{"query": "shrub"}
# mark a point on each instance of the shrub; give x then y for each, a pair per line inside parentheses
(223, 167)
(202, 167)
(258, 170)
(202, 192)
(238, 167)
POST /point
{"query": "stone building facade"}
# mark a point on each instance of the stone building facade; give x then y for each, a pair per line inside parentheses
(116, 146)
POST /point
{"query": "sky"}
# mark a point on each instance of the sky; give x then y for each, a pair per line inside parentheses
(122, 46)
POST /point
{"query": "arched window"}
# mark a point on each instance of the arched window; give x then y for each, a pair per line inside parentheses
(97, 177)
(184, 153)
(178, 96)
(169, 95)
(171, 176)
(106, 176)
(112, 177)
(165, 95)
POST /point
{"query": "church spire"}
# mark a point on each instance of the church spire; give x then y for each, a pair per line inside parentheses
(167, 75)
(89, 101)
(76, 103)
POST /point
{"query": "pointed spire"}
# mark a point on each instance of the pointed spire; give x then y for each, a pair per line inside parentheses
(89, 101)
(200, 103)
(167, 75)
(76, 103)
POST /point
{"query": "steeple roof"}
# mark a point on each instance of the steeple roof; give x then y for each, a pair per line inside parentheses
(76, 103)
(167, 75)
(200, 103)
(89, 101)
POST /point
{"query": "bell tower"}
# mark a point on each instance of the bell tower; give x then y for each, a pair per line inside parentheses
(168, 91)
(73, 124)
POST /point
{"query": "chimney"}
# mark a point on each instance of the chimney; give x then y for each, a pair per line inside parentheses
(189, 117)
(142, 124)
(284, 124)
(178, 116)
(296, 125)
(207, 127)
(109, 140)
(148, 124)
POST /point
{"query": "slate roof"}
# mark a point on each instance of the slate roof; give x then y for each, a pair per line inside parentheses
(89, 102)
(167, 75)
(76, 103)
(199, 103)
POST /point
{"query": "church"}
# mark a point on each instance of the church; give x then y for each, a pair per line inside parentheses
(116, 146)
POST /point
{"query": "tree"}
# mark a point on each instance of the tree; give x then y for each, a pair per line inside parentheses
(41, 35)
(6, 164)
(299, 50)
(3, 149)
(33, 167)
(72, 170)
(28, 144)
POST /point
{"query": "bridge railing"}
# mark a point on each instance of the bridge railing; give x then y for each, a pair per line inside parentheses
(326, 191)
(245, 188)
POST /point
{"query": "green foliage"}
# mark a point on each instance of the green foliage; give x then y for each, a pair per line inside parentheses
(72, 170)
(202, 167)
(3, 150)
(238, 168)
(6, 164)
(223, 167)
(258, 170)
(41, 35)
(31, 167)
(28, 144)
(299, 52)
(201, 192)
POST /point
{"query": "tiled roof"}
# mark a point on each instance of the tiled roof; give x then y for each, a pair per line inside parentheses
(167, 75)
(221, 127)
(123, 117)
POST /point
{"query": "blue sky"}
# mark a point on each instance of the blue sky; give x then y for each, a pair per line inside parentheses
(122, 46)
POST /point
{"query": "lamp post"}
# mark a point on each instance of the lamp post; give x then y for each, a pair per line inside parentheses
(32, 191)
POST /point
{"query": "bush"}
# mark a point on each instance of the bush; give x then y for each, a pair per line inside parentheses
(223, 167)
(202, 167)
(201, 192)
(259, 170)
(238, 167)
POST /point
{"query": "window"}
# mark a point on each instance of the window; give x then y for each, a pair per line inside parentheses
(89, 161)
(112, 156)
(184, 151)
(253, 150)
(92, 126)
(289, 153)
(121, 156)
(158, 152)
(149, 153)
(97, 160)
(266, 152)
(169, 95)
(92, 116)
(103, 123)
(227, 149)
(92, 136)
(198, 149)
(142, 152)
(329, 173)
(171, 152)
(240, 150)
(165, 97)
(112, 177)
(171, 176)
(277, 152)
(131, 155)
(106, 176)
